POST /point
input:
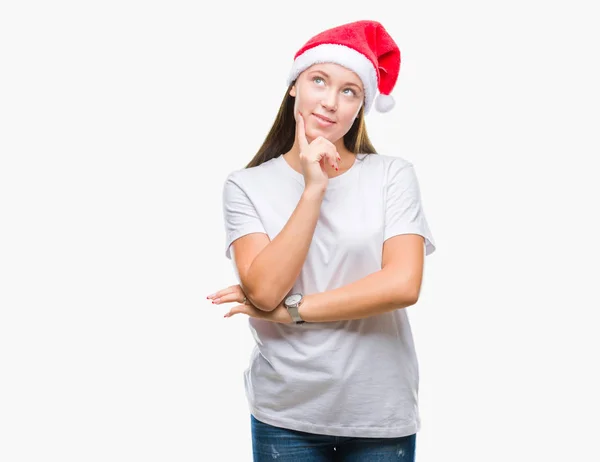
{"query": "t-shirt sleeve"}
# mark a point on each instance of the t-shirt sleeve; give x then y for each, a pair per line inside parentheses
(404, 212)
(239, 213)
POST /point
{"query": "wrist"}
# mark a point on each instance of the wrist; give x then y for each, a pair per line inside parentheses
(314, 192)
(292, 304)
(302, 309)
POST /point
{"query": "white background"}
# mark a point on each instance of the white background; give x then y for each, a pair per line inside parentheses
(120, 120)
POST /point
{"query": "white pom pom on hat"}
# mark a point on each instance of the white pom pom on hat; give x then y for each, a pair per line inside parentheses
(384, 103)
(364, 47)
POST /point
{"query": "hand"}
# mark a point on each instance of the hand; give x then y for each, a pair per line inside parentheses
(279, 314)
(236, 294)
(314, 155)
(228, 295)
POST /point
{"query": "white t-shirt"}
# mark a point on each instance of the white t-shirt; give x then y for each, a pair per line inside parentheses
(345, 378)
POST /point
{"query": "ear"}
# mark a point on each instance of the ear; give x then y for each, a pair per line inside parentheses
(293, 91)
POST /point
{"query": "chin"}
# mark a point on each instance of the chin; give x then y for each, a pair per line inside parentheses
(318, 131)
(328, 136)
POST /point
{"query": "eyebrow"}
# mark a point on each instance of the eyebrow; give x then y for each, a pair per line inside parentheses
(327, 75)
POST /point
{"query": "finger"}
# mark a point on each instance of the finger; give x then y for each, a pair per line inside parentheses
(333, 158)
(323, 160)
(230, 313)
(301, 132)
(222, 292)
(236, 296)
(329, 152)
(238, 309)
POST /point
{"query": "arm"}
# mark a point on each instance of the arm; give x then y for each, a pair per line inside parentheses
(407, 239)
(269, 269)
(396, 285)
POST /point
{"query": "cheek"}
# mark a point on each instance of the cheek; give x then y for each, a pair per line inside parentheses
(298, 102)
(355, 114)
(350, 116)
(307, 97)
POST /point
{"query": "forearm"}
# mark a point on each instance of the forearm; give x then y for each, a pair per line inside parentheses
(376, 293)
(276, 268)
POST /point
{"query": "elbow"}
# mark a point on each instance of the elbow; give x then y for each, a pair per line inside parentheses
(404, 286)
(257, 295)
(262, 301)
(408, 295)
(412, 300)
(263, 292)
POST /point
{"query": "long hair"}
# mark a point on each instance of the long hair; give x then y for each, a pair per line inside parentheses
(280, 138)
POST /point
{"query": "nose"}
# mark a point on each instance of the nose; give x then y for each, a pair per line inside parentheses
(329, 100)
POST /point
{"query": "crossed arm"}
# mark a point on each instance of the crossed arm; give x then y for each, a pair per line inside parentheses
(394, 286)
(268, 270)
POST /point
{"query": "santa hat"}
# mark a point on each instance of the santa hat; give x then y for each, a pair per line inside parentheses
(364, 47)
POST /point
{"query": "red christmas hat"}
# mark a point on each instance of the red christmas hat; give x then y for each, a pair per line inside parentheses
(364, 47)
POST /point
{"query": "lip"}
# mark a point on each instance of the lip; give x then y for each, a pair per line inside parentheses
(323, 119)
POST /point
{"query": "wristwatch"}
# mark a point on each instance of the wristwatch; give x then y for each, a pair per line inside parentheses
(292, 303)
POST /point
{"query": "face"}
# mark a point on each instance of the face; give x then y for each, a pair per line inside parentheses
(327, 91)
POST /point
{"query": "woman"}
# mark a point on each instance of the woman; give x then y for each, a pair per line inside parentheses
(328, 240)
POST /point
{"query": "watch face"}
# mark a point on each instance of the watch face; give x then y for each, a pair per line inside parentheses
(293, 299)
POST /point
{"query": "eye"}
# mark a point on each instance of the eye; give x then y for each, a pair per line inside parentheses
(317, 78)
(352, 90)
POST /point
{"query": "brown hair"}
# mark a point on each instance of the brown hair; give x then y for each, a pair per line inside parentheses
(280, 138)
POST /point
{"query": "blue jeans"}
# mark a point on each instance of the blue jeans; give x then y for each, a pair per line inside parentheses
(276, 444)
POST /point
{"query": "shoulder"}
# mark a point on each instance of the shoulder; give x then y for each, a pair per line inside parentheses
(248, 177)
(384, 163)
